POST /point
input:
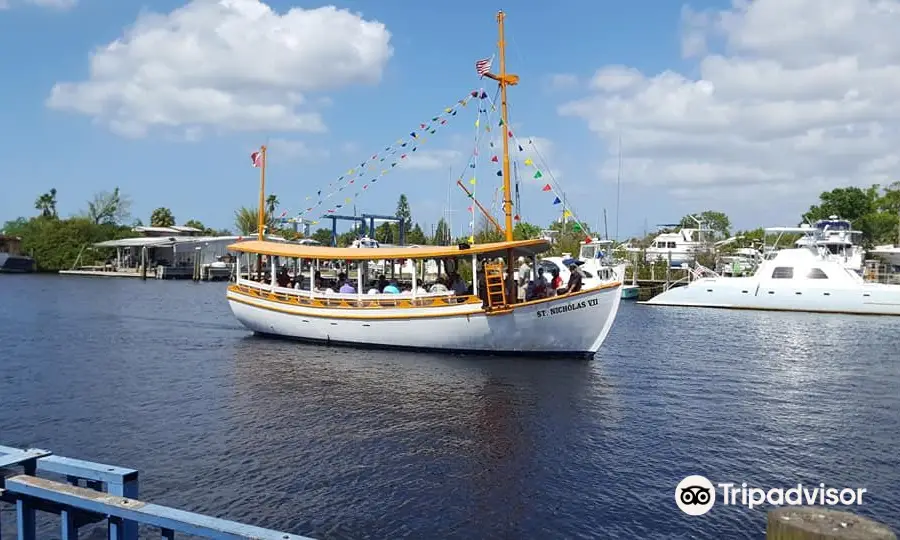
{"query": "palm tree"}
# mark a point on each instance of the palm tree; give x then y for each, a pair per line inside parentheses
(246, 220)
(271, 204)
(46, 203)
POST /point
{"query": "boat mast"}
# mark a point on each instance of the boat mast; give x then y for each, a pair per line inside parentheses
(262, 191)
(505, 79)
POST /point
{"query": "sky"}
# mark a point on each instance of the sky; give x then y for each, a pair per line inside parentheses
(641, 110)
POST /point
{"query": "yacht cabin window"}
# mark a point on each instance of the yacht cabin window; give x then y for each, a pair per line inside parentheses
(783, 272)
(816, 273)
(672, 245)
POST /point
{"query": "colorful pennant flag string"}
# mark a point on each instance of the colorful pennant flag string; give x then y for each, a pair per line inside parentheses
(553, 186)
(360, 178)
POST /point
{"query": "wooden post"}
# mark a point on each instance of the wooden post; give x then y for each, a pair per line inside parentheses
(144, 263)
(812, 523)
(668, 269)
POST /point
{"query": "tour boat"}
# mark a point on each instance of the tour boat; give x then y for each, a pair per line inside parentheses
(484, 317)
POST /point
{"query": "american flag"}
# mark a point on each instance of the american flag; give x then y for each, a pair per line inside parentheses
(256, 158)
(483, 66)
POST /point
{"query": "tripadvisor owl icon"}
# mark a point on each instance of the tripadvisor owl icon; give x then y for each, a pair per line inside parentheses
(695, 495)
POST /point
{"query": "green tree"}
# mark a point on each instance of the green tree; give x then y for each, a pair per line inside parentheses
(271, 204)
(403, 211)
(384, 233)
(56, 243)
(718, 222)
(526, 231)
(416, 236)
(441, 233)
(849, 203)
(486, 232)
(46, 203)
(162, 217)
(108, 207)
(246, 220)
(323, 236)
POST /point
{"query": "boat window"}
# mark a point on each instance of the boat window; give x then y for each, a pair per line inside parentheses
(783, 272)
(816, 273)
(671, 244)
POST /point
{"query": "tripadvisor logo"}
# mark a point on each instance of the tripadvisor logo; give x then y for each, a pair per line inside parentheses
(695, 495)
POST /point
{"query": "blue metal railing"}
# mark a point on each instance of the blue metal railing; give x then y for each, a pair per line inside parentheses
(108, 493)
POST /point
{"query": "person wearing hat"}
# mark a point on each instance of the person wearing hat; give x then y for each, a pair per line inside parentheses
(574, 284)
(523, 277)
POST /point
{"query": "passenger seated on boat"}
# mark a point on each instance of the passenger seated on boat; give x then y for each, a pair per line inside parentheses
(382, 282)
(284, 280)
(438, 287)
(391, 288)
(555, 282)
(318, 280)
(458, 286)
(574, 279)
(347, 288)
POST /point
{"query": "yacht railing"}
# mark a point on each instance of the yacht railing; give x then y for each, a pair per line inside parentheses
(698, 271)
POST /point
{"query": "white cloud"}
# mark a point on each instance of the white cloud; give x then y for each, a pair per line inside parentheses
(804, 100)
(232, 64)
(293, 150)
(432, 160)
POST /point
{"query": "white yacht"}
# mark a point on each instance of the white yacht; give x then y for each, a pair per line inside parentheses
(795, 279)
(679, 247)
(835, 239)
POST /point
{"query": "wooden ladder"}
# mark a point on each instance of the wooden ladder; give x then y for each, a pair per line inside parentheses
(494, 283)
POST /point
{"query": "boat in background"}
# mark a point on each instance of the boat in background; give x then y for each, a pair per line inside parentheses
(793, 279)
(12, 261)
(889, 253)
(680, 247)
(835, 239)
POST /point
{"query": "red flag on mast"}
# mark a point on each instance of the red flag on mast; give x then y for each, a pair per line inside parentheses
(256, 159)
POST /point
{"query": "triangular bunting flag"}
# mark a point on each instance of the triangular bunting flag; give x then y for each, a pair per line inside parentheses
(499, 173)
(538, 174)
(546, 188)
(528, 162)
(495, 159)
(556, 201)
(517, 218)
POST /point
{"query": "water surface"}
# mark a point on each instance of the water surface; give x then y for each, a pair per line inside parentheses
(343, 443)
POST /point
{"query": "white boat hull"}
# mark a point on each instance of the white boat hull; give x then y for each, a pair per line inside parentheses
(749, 293)
(571, 324)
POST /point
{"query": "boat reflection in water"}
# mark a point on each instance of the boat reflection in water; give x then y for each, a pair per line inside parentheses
(435, 444)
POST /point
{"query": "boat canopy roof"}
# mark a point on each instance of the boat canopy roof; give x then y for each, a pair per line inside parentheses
(525, 248)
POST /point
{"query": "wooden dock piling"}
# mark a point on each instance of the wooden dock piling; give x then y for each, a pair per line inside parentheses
(814, 523)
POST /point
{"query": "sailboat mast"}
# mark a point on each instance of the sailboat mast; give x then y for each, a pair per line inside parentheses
(262, 191)
(505, 80)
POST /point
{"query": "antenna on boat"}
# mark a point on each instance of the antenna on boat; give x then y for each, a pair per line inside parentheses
(618, 186)
(262, 192)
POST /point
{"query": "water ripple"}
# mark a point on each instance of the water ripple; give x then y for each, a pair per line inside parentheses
(340, 443)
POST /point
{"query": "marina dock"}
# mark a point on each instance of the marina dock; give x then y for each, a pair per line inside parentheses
(84, 493)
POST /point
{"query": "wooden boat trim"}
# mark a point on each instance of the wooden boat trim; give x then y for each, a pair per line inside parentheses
(364, 308)
(527, 248)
